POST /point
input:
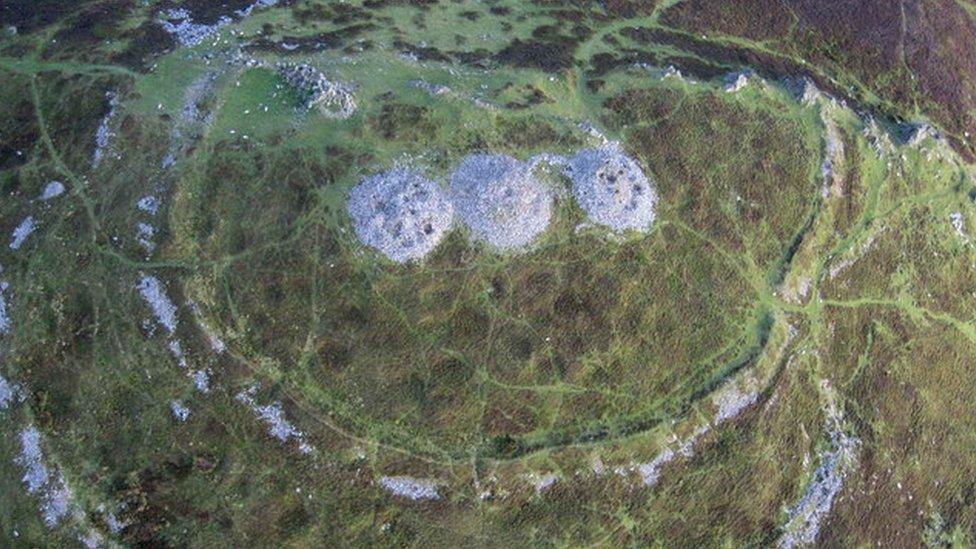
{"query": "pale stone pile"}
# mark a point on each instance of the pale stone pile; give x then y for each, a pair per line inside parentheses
(500, 201)
(333, 99)
(612, 189)
(400, 213)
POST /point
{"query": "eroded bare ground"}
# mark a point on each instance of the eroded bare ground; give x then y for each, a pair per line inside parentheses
(196, 349)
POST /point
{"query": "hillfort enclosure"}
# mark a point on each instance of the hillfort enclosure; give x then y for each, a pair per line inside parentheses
(399, 273)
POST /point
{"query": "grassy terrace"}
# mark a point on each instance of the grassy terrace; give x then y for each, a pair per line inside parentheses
(481, 370)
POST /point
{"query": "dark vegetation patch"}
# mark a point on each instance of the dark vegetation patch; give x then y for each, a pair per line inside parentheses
(403, 121)
(145, 509)
(73, 108)
(881, 44)
(630, 8)
(422, 53)
(549, 49)
(749, 150)
(18, 123)
(481, 57)
(30, 15)
(527, 96)
(304, 45)
(535, 132)
(448, 325)
(908, 254)
(753, 19)
(268, 193)
(852, 187)
(83, 33)
(549, 56)
(338, 13)
(605, 62)
(145, 43)
(912, 443)
(940, 48)
(423, 5)
(768, 65)
(96, 23)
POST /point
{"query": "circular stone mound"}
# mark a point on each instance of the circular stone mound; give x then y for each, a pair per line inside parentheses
(612, 189)
(400, 213)
(500, 201)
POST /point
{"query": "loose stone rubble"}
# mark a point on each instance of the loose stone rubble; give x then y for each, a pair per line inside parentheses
(274, 415)
(153, 293)
(40, 480)
(400, 213)
(500, 201)
(731, 400)
(409, 487)
(542, 483)
(10, 393)
(179, 23)
(4, 314)
(836, 462)
(26, 227)
(148, 204)
(179, 410)
(736, 81)
(104, 133)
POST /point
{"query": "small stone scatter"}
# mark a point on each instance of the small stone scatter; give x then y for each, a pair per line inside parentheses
(333, 99)
(144, 234)
(959, 224)
(414, 488)
(92, 539)
(216, 343)
(258, 4)
(833, 158)
(650, 472)
(500, 201)
(10, 393)
(179, 23)
(176, 349)
(736, 81)
(802, 89)
(52, 190)
(148, 204)
(400, 213)
(56, 503)
(545, 482)
(4, 318)
(179, 410)
(612, 189)
(201, 380)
